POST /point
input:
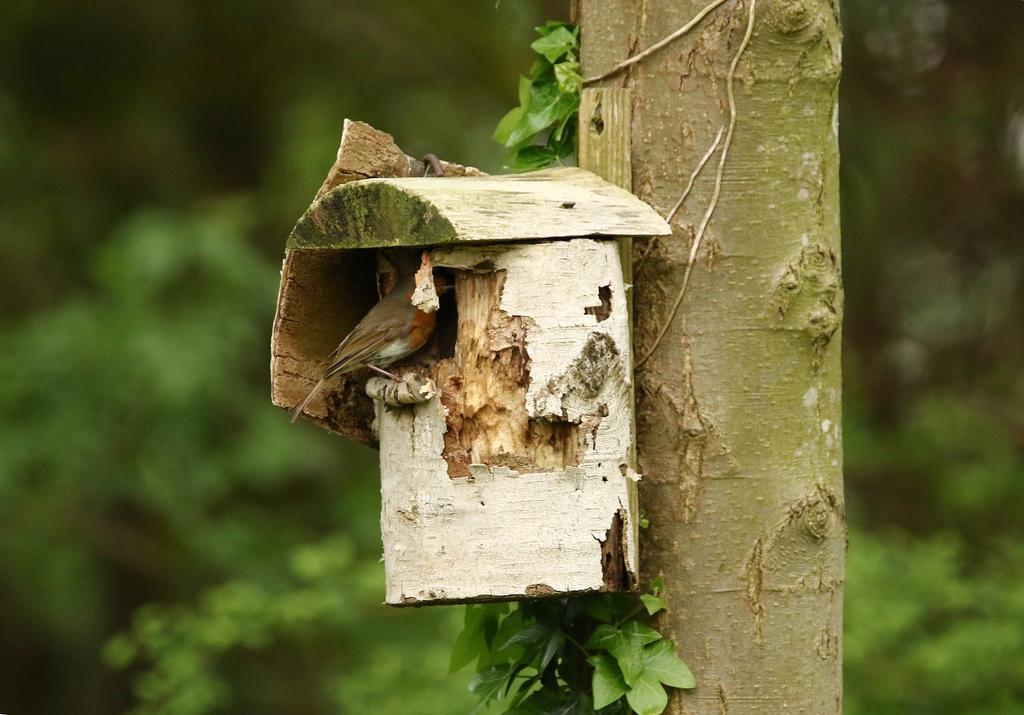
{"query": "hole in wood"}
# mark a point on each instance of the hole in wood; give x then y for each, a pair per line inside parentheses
(616, 575)
(483, 388)
(597, 121)
(603, 311)
(447, 328)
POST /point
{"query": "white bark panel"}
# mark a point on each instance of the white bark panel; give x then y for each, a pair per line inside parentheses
(499, 533)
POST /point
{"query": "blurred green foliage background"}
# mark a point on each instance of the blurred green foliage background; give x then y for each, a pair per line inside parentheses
(153, 157)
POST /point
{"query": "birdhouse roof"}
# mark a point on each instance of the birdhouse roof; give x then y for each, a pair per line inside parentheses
(427, 211)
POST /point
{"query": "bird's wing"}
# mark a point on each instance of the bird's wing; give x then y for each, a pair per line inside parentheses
(357, 346)
(361, 344)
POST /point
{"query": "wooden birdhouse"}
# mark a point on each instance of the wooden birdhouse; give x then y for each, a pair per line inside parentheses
(506, 452)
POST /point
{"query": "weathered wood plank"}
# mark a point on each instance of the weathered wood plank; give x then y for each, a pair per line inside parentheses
(515, 481)
(324, 293)
(554, 203)
(606, 148)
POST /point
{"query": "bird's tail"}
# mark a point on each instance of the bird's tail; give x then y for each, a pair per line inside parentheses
(306, 400)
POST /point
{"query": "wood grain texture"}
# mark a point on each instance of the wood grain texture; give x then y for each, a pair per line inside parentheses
(553, 203)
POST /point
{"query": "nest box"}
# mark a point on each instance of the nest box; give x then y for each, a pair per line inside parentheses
(506, 455)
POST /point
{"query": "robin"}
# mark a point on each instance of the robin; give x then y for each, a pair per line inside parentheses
(392, 330)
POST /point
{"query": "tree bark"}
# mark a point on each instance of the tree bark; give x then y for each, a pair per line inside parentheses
(738, 407)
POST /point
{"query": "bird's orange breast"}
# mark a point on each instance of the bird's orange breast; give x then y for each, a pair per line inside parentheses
(422, 326)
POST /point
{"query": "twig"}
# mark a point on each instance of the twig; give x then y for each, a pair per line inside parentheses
(696, 172)
(686, 192)
(657, 45)
(643, 254)
(730, 94)
(576, 643)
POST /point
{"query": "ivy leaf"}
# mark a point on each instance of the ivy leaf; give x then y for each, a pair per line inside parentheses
(653, 604)
(608, 607)
(567, 76)
(569, 122)
(531, 637)
(607, 684)
(627, 645)
(554, 44)
(548, 102)
(472, 642)
(661, 662)
(488, 682)
(531, 157)
(547, 106)
(551, 25)
(544, 109)
(657, 585)
(647, 697)
(468, 646)
(608, 637)
(508, 125)
(555, 643)
(525, 85)
(661, 667)
(500, 649)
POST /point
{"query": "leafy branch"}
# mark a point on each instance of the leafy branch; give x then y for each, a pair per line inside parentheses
(549, 102)
(585, 655)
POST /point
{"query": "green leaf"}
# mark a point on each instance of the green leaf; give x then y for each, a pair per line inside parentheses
(661, 662)
(508, 125)
(551, 25)
(647, 697)
(542, 71)
(606, 636)
(524, 90)
(554, 644)
(657, 585)
(487, 683)
(554, 44)
(653, 604)
(472, 642)
(567, 76)
(627, 645)
(547, 107)
(608, 607)
(531, 637)
(468, 646)
(509, 627)
(560, 133)
(531, 157)
(607, 684)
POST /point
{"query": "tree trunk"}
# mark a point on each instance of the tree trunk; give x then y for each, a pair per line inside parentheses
(738, 407)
